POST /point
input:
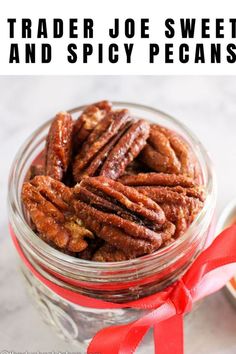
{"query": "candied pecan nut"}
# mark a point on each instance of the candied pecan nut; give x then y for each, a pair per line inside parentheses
(178, 206)
(121, 216)
(172, 195)
(116, 235)
(167, 152)
(110, 158)
(157, 179)
(89, 118)
(181, 205)
(59, 146)
(108, 253)
(54, 191)
(94, 167)
(48, 203)
(128, 147)
(45, 216)
(180, 197)
(101, 135)
(115, 196)
(178, 215)
(197, 191)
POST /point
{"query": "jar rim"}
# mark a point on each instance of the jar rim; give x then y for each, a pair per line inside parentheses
(15, 206)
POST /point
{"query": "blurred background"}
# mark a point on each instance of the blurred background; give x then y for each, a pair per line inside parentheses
(207, 105)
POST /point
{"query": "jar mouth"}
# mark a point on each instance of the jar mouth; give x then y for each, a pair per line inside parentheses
(30, 238)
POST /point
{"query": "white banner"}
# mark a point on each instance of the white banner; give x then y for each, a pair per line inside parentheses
(117, 37)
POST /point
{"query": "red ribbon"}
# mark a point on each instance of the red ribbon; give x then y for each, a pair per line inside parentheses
(166, 308)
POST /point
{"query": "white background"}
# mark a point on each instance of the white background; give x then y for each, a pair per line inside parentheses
(207, 105)
(103, 12)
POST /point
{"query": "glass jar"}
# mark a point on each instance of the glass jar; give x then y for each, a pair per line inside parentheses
(113, 281)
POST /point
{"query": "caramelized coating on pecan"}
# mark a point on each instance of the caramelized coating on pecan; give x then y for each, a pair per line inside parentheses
(179, 208)
(114, 196)
(167, 152)
(125, 151)
(179, 196)
(108, 253)
(54, 191)
(95, 166)
(89, 118)
(48, 203)
(59, 146)
(121, 216)
(175, 195)
(110, 155)
(101, 135)
(157, 179)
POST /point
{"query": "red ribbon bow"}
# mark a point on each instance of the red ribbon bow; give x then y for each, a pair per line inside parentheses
(166, 308)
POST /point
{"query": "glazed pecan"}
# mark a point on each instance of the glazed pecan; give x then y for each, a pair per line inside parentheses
(55, 192)
(127, 148)
(88, 120)
(178, 207)
(167, 152)
(108, 253)
(97, 162)
(59, 146)
(104, 131)
(108, 154)
(121, 216)
(179, 196)
(157, 179)
(49, 205)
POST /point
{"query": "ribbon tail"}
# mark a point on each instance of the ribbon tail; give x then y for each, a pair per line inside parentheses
(168, 336)
(118, 339)
(126, 338)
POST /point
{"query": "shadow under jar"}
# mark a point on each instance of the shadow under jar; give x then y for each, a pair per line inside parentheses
(110, 281)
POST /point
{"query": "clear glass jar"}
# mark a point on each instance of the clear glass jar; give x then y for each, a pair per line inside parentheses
(129, 279)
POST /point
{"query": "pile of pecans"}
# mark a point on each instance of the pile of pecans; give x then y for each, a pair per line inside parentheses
(112, 187)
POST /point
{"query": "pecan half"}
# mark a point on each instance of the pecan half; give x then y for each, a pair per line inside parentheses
(121, 215)
(89, 118)
(127, 148)
(113, 144)
(166, 151)
(59, 146)
(49, 205)
(101, 135)
(179, 208)
(157, 179)
(94, 168)
(179, 196)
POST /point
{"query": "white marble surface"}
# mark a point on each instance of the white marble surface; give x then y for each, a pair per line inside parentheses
(206, 104)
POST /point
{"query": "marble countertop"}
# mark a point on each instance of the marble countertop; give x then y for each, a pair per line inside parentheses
(207, 105)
